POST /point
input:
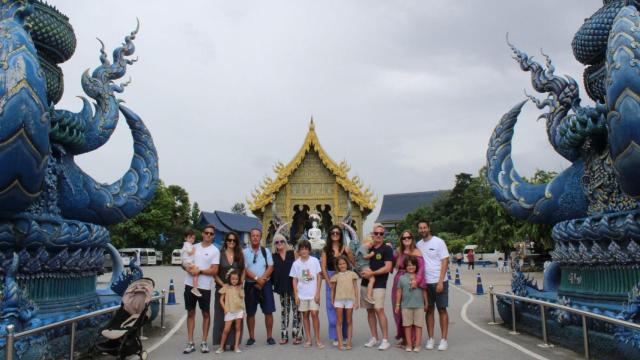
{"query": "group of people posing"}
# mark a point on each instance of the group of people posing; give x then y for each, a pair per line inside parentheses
(243, 279)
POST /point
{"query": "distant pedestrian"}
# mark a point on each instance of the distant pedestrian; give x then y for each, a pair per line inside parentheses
(258, 288)
(471, 259)
(411, 302)
(232, 302)
(436, 260)
(307, 280)
(459, 259)
(344, 290)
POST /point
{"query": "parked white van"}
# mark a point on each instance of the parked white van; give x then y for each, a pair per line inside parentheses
(176, 259)
(147, 255)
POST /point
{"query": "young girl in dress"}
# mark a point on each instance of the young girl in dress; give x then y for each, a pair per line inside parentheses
(232, 301)
(344, 289)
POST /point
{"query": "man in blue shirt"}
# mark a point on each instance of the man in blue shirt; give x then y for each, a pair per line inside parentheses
(257, 286)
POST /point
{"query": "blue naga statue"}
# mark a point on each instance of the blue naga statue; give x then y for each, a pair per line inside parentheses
(593, 204)
(52, 214)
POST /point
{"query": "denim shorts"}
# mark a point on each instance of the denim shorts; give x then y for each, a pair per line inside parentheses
(440, 300)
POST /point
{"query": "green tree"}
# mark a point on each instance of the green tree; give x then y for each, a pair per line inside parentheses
(168, 213)
(469, 214)
(195, 214)
(239, 208)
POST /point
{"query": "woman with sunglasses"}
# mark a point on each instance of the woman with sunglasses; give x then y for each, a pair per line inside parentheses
(333, 249)
(283, 258)
(406, 248)
(231, 258)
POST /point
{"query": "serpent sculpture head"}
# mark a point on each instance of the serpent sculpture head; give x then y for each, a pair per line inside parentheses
(40, 139)
(593, 204)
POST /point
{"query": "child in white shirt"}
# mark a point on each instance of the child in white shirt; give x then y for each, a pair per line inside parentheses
(187, 253)
(306, 274)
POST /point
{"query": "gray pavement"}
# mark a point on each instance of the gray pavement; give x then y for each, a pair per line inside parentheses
(465, 341)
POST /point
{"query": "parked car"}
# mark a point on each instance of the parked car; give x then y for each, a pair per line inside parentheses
(147, 255)
(176, 259)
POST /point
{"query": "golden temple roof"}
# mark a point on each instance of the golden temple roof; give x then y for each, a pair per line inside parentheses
(264, 194)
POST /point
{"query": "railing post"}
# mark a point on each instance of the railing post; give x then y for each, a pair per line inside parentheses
(513, 317)
(543, 319)
(162, 309)
(491, 303)
(72, 341)
(10, 338)
(585, 336)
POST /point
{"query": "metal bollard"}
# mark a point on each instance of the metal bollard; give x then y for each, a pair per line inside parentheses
(513, 317)
(72, 341)
(491, 303)
(585, 336)
(10, 339)
(545, 339)
(162, 304)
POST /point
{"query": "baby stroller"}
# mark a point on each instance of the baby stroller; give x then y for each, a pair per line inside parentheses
(122, 333)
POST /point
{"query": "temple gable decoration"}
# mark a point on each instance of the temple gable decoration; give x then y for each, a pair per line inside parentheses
(311, 183)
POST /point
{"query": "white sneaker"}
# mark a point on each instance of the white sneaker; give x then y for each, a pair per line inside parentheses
(371, 343)
(384, 345)
(443, 345)
(430, 344)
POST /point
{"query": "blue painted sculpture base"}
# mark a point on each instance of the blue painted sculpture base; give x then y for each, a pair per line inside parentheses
(567, 335)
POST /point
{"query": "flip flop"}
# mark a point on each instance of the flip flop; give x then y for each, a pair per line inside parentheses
(320, 345)
(284, 341)
(297, 341)
(307, 345)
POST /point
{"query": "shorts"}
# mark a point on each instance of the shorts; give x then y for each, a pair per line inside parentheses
(413, 317)
(378, 298)
(441, 300)
(254, 296)
(343, 304)
(308, 305)
(234, 315)
(190, 300)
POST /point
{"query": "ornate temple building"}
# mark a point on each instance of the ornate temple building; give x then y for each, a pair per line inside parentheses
(311, 183)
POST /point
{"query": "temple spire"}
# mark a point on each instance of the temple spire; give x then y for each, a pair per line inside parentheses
(312, 126)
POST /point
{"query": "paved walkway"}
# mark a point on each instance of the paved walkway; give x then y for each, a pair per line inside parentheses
(469, 334)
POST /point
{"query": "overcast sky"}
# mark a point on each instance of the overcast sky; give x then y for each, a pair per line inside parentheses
(408, 92)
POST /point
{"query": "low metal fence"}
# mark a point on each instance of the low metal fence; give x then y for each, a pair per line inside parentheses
(12, 336)
(543, 319)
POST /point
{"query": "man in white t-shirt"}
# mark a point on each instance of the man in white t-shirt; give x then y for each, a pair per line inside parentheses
(206, 261)
(436, 261)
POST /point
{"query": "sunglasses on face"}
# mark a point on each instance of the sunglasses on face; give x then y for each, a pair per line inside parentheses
(208, 233)
(378, 233)
(278, 242)
(335, 233)
(406, 237)
(232, 240)
(255, 257)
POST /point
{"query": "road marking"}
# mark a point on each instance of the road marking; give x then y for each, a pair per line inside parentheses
(463, 315)
(168, 335)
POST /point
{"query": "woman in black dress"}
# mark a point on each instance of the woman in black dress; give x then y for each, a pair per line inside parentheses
(231, 258)
(283, 259)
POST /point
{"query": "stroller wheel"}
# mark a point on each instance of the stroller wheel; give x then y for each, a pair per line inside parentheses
(144, 355)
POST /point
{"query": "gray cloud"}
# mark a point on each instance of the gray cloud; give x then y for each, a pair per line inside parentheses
(407, 91)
